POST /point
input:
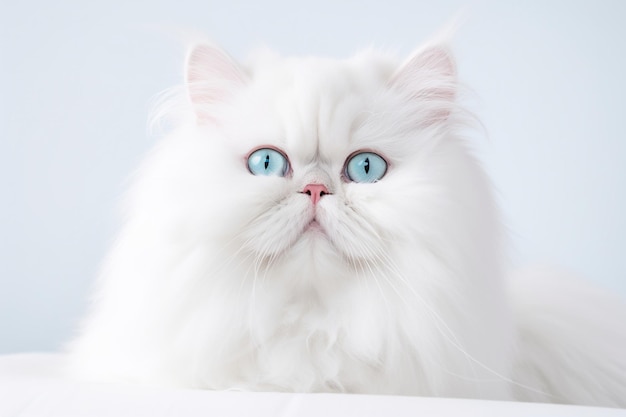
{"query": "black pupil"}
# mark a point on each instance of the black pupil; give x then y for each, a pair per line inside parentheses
(366, 165)
(267, 161)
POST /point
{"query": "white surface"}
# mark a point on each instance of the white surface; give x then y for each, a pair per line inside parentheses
(32, 385)
(76, 79)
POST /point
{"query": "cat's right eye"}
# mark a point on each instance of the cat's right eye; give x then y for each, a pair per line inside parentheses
(268, 161)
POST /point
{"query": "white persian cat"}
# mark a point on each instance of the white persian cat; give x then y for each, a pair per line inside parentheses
(320, 225)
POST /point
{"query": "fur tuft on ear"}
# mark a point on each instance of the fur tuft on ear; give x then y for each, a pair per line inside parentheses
(211, 75)
(429, 78)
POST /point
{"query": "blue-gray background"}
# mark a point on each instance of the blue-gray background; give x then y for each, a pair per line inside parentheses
(77, 77)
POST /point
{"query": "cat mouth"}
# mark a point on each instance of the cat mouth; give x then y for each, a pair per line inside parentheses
(314, 226)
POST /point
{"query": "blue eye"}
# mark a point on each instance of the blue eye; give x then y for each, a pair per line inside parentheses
(268, 161)
(366, 167)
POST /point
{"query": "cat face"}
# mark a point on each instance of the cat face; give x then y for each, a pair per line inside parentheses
(319, 176)
(335, 158)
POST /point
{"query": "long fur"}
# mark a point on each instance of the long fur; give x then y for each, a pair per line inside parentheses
(217, 282)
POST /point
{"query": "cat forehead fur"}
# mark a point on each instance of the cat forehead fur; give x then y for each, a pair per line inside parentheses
(311, 106)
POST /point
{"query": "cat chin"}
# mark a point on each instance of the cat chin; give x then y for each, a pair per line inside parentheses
(321, 244)
(313, 242)
(306, 230)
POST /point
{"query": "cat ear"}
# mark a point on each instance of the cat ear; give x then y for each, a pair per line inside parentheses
(211, 77)
(428, 79)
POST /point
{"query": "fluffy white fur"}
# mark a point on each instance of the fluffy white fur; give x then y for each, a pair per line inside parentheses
(217, 282)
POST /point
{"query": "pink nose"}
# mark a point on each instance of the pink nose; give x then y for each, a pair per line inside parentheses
(316, 191)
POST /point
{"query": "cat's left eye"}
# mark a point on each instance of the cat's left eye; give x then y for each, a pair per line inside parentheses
(268, 161)
(365, 167)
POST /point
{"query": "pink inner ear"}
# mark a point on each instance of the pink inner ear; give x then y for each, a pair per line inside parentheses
(438, 60)
(429, 76)
(211, 74)
(206, 61)
(430, 67)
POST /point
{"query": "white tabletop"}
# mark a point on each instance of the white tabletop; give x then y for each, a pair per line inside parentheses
(33, 385)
